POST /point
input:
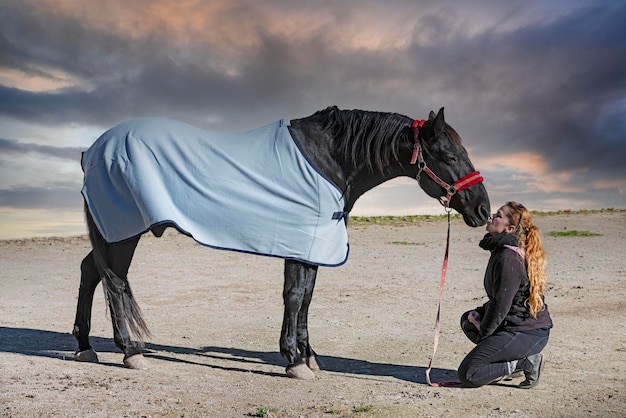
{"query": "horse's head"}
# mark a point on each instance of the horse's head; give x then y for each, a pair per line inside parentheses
(443, 162)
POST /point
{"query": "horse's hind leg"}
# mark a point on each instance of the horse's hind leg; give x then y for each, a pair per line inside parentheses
(116, 260)
(299, 277)
(89, 279)
(109, 264)
(122, 305)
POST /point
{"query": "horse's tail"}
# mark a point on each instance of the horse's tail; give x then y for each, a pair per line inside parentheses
(116, 289)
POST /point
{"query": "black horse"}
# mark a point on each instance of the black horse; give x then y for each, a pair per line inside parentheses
(356, 151)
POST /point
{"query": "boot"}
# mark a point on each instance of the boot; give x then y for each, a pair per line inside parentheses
(532, 367)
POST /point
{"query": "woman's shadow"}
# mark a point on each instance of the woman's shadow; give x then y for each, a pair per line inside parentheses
(57, 345)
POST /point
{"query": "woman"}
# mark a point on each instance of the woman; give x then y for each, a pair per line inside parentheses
(512, 328)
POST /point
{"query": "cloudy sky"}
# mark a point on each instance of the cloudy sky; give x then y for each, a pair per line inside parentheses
(536, 89)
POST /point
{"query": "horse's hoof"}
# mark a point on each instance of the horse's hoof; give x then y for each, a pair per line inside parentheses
(137, 362)
(300, 370)
(312, 363)
(88, 356)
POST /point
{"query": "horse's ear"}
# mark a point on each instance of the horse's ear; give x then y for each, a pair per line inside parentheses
(439, 122)
(431, 115)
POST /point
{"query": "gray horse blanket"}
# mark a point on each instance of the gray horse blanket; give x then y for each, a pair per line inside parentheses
(252, 192)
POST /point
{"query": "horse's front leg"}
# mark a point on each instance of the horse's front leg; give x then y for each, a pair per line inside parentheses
(306, 351)
(298, 277)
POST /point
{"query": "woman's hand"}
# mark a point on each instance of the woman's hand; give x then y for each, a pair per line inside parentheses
(474, 318)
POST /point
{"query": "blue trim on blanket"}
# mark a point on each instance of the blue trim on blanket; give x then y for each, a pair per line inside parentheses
(171, 224)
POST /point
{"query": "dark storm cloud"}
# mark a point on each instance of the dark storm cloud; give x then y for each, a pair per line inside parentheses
(11, 146)
(556, 88)
(549, 73)
(564, 87)
(39, 43)
(59, 197)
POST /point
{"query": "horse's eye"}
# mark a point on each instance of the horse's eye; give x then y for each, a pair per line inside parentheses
(451, 160)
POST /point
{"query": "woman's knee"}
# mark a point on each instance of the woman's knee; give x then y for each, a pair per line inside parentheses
(465, 375)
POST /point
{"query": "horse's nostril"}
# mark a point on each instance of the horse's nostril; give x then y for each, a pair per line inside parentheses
(483, 211)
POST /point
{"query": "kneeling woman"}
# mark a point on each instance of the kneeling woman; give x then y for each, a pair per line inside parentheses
(513, 326)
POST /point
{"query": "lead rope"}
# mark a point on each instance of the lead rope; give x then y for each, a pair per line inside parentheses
(442, 282)
(461, 184)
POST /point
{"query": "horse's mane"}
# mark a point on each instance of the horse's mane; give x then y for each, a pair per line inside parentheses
(364, 137)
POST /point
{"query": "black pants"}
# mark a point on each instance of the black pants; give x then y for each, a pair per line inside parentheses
(490, 359)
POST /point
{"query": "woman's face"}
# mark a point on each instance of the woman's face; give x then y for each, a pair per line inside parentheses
(499, 223)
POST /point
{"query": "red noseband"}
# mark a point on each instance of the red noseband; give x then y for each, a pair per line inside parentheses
(461, 184)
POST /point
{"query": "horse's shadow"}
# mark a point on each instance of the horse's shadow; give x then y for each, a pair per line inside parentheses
(57, 345)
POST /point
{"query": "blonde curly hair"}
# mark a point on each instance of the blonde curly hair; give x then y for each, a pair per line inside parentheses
(529, 239)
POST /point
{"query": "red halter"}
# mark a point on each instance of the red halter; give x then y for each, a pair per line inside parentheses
(461, 184)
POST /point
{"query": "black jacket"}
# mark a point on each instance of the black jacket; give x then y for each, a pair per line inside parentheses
(508, 288)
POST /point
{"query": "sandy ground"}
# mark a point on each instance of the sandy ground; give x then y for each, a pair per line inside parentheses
(216, 319)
